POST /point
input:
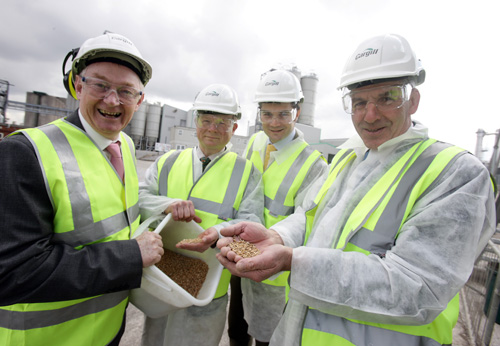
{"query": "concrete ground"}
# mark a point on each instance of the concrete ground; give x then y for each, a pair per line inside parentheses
(135, 323)
(135, 318)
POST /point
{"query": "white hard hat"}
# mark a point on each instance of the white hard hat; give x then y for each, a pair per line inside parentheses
(218, 98)
(114, 48)
(279, 86)
(382, 57)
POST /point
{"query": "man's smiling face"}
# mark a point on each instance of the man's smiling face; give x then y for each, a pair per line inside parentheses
(375, 127)
(107, 116)
(279, 127)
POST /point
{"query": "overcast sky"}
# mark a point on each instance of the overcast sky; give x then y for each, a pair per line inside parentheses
(191, 44)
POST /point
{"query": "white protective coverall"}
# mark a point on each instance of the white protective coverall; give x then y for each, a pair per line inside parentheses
(195, 325)
(263, 304)
(431, 260)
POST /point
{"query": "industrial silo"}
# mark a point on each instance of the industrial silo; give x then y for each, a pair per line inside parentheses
(295, 70)
(309, 83)
(42, 108)
(138, 124)
(153, 123)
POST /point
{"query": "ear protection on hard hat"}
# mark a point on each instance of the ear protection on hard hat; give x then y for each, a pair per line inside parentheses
(68, 76)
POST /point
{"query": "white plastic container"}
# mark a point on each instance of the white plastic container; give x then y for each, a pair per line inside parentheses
(160, 295)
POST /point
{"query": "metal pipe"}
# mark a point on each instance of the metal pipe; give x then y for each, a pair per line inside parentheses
(495, 155)
(479, 142)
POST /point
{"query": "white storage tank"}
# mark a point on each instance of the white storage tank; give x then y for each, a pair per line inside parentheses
(295, 70)
(138, 123)
(309, 83)
(153, 122)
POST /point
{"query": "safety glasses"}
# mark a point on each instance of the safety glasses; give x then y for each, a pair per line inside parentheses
(285, 116)
(221, 123)
(101, 89)
(385, 98)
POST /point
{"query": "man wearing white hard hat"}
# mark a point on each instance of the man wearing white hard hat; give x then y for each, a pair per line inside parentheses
(69, 198)
(289, 167)
(212, 186)
(381, 251)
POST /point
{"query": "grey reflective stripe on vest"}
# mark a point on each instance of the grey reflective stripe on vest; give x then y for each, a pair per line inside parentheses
(131, 146)
(91, 232)
(332, 167)
(86, 230)
(384, 234)
(344, 155)
(223, 210)
(394, 182)
(361, 334)
(25, 320)
(165, 169)
(250, 150)
(277, 206)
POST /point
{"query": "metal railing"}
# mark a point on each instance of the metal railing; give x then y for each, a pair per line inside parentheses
(480, 298)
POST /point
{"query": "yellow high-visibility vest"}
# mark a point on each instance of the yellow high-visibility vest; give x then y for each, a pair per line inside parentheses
(415, 171)
(87, 194)
(216, 195)
(281, 184)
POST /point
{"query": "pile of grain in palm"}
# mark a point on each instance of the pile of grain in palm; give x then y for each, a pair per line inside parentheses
(189, 273)
(190, 241)
(244, 248)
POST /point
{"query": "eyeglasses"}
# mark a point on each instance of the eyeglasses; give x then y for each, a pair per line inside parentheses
(101, 89)
(387, 98)
(205, 121)
(287, 116)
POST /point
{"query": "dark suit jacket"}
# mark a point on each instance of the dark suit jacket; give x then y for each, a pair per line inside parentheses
(32, 267)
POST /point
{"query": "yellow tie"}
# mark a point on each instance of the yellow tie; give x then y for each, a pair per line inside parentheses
(269, 150)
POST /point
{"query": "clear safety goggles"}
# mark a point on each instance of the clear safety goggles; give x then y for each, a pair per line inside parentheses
(101, 89)
(385, 98)
(220, 122)
(286, 116)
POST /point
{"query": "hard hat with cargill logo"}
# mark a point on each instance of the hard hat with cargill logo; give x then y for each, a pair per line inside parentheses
(279, 86)
(382, 57)
(218, 98)
(112, 47)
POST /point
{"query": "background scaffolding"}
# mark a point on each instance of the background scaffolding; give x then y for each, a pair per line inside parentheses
(480, 298)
